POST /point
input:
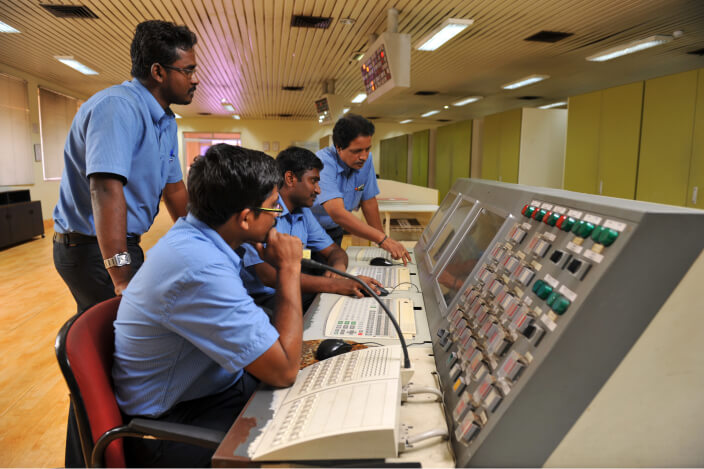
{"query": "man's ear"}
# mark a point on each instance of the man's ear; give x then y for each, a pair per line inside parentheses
(157, 72)
(290, 178)
(244, 218)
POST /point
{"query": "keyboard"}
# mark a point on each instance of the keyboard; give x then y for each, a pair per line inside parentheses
(345, 407)
(367, 254)
(396, 278)
(362, 318)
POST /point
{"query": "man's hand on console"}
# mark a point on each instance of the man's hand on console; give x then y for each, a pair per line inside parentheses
(396, 250)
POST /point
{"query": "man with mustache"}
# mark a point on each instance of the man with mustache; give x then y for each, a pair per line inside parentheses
(300, 172)
(348, 182)
(190, 344)
(121, 158)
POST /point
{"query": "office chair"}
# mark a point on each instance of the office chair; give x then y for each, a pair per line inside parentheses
(84, 348)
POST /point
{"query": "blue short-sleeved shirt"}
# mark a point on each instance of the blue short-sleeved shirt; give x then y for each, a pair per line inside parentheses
(121, 130)
(186, 327)
(339, 181)
(300, 223)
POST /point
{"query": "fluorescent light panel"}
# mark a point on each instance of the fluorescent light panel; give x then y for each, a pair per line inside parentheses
(345, 110)
(236, 116)
(467, 100)
(76, 65)
(430, 113)
(229, 107)
(550, 106)
(359, 98)
(177, 116)
(406, 121)
(6, 28)
(629, 48)
(448, 29)
(525, 81)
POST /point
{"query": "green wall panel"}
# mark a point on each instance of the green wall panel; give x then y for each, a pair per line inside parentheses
(621, 109)
(453, 148)
(490, 147)
(696, 168)
(419, 158)
(582, 148)
(394, 158)
(666, 138)
(510, 145)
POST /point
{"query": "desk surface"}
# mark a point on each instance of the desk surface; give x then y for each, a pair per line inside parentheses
(397, 207)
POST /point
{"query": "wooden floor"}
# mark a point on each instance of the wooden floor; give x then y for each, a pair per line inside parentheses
(34, 304)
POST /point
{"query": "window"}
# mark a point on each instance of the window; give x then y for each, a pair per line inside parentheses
(197, 143)
(56, 113)
(16, 155)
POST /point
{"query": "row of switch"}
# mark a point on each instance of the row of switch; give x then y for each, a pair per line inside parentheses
(583, 229)
(554, 300)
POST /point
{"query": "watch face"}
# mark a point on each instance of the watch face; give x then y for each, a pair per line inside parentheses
(122, 259)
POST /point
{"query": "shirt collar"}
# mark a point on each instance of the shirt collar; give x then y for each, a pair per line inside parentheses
(215, 238)
(286, 211)
(341, 166)
(156, 112)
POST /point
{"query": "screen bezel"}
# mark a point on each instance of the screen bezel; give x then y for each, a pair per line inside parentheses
(436, 237)
(427, 237)
(509, 219)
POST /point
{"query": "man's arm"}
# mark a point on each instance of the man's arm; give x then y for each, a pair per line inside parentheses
(314, 283)
(110, 216)
(335, 257)
(279, 365)
(175, 198)
(339, 214)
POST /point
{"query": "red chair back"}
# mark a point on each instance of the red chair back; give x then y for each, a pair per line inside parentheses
(85, 347)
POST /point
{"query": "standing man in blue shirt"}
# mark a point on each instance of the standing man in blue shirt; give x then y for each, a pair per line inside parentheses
(190, 344)
(300, 172)
(121, 158)
(348, 182)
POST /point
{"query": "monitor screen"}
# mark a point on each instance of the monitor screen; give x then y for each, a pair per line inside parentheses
(434, 223)
(469, 251)
(451, 226)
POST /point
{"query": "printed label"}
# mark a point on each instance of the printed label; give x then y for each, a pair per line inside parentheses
(549, 323)
(589, 254)
(549, 236)
(546, 206)
(560, 210)
(567, 293)
(574, 213)
(552, 281)
(574, 248)
(615, 225)
(592, 219)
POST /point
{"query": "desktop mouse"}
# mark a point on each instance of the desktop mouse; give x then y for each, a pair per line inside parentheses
(382, 261)
(382, 291)
(331, 347)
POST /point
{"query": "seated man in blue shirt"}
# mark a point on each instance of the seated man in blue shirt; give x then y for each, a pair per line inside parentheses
(190, 344)
(348, 182)
(300, 170)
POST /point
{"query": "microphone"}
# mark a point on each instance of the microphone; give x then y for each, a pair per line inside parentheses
(311, 264)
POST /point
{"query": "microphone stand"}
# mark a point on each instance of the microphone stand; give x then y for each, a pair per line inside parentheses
(311, 264)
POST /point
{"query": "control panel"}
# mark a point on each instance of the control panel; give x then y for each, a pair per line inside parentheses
(532, 300)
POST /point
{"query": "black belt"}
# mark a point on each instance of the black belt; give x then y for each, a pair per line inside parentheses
(78, 238)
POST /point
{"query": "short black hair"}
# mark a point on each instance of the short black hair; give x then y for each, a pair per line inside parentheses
(349, 127)
(228, 179)
(157, 41)
(297, 160)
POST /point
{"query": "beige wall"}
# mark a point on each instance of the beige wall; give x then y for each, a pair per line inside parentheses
(45, 191)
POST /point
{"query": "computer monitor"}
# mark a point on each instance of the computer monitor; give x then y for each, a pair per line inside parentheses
(445, 206)
(453, 222)
(467, 253)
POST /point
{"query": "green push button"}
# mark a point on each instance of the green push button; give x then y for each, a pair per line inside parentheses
(539, 215)
(528, 211)
(551, 299)
(597, 231)
(608, 236)
(552, 219)
(585, 230)
(538, 284)
(577, 225)
(560, 305)
(543, 291)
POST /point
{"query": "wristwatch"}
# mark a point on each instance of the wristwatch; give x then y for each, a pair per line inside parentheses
(118, 260)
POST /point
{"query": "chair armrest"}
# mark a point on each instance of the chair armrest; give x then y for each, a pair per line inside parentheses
(161, 430)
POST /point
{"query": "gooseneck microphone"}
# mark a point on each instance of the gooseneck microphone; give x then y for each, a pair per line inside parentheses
(311, 264)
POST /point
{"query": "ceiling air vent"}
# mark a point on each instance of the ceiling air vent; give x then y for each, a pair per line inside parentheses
(292, 88)
(317, 22)
(205, 114)
(69, 11)
(443, 120)
(529, 98)
(372, 118)
(425, 93)
(696, 52)
(548, 36)
(285, 115)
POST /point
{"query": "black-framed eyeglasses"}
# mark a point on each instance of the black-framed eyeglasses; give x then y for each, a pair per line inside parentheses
(186, 71)
(277, 209)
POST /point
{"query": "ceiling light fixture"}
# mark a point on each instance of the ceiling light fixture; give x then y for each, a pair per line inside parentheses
(550, 106)
(406, 121)
(525, 81)
(177, 116)
(348, 21)
(228, 107)
(345, 110)
(430, 113)
(6, 28)
(359, 98)
(448, 29)
(467, 100)
(629, 48)
(236, 116)
(75, 64)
